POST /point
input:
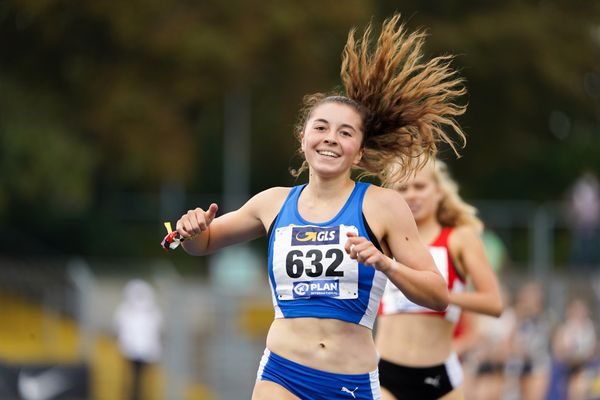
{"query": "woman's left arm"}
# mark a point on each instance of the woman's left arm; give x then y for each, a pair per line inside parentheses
(466, 249)
(411, 267)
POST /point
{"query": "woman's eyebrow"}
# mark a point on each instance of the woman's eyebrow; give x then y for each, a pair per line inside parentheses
(348, 126)
(341, 126)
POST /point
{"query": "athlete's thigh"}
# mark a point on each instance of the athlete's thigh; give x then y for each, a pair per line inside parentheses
(534, 386)
(487, 387)
(456, 394)
(386, 395)
(267, 390)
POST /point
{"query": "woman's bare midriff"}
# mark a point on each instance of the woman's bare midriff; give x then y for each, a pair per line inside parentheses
(414, 340)
(325, 344)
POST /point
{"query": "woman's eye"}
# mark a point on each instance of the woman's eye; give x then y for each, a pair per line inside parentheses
(345, 133)
(319, 128)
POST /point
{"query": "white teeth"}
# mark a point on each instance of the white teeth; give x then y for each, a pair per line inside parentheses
(327, 153)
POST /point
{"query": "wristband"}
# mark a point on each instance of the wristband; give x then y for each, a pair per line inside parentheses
(172, 240)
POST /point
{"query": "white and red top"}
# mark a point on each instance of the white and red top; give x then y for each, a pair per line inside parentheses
(394, 301)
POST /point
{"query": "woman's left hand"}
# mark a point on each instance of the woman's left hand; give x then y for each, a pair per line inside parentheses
(365, 252)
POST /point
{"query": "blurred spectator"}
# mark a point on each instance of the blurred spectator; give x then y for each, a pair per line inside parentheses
(489, 354)
(584, 219)
(471, 330)
(138, 323)
(573, 348)
(468, 336)
(529, 362)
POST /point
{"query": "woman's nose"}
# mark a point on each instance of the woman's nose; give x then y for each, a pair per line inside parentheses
(330, 137)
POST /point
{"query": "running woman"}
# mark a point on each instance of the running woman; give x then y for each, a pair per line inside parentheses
(334, 242)
(415, 342)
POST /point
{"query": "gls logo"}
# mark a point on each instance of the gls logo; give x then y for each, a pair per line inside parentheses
(307, 235)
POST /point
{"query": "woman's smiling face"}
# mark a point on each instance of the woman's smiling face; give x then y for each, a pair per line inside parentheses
(332, 139)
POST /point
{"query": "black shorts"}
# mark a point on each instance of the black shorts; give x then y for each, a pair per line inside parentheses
(422, 383)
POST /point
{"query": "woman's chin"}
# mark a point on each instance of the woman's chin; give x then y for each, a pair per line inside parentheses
(325, 171)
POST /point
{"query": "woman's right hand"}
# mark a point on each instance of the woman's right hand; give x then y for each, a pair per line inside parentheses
(196, 221)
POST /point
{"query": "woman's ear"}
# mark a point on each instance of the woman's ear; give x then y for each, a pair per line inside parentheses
(358, 157)
(302, 142)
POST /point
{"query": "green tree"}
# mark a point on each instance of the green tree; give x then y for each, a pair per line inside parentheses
(532, 69)
(130, 94)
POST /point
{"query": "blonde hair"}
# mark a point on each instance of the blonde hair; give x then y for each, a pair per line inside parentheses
(453, 210)
(405, 102)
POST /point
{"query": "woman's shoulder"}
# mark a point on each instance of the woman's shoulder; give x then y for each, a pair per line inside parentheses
(383, 198)
(464, 233)
(384, 207)
(275, 191)
(462, 237)
(383, 194)
(267, 203)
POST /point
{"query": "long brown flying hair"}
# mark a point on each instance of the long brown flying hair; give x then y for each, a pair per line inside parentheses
(406, 102)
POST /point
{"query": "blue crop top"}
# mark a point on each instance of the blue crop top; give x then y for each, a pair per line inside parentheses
(310, 273)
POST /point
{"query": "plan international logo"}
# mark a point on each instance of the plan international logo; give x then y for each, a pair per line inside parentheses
(311, 235)
(320, 288)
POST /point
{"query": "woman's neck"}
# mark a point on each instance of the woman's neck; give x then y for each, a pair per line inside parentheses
(429, 229)
(326, 189)
(322, 200)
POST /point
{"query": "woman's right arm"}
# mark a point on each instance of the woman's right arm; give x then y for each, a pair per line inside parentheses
(205, 233)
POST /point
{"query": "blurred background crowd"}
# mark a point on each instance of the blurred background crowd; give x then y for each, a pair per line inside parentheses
(118, 116)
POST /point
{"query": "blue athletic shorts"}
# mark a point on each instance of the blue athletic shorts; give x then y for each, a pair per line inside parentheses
(313, 384)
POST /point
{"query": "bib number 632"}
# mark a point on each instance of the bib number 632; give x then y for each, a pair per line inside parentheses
(295, 266)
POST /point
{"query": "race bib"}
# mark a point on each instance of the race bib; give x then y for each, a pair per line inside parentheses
(398, 300)
(440, 257)
(310, 261)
